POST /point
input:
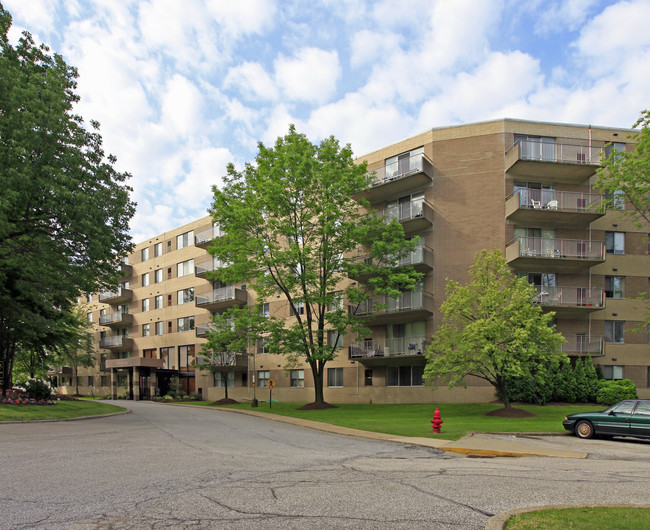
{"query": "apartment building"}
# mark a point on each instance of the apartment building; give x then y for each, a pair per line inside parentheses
(524, 187)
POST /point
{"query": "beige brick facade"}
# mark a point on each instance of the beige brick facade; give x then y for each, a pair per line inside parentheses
(523, 187)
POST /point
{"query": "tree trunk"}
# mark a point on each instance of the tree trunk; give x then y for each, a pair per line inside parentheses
(317, 370)
(224, 380)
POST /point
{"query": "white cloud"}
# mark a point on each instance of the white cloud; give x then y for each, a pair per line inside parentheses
(252, 80)
(182, 107)
(555, 17)
(370, 46)
(207, 166)
(243, 17)
(310, 75)
(38, 15)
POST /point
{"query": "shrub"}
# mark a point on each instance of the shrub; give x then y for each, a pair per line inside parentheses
(38, 389)
(180, 394)
(170, 396)
(611, 392)
(196, 396)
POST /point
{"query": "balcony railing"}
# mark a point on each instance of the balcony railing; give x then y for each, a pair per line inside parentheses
(115, 341)
(220, 298)
(541, 247)
(202, 330)
(410, 301)
(421, 257)
(203, 238)
(585, 297)
(210, 265)
(584, 345)
(558, 152)
(552, 200)
(395, 347)
(403, 168)
(115, 318)
(117, 296)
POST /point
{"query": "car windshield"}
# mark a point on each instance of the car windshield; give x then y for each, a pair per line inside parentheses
(643, 408)
(622, 408)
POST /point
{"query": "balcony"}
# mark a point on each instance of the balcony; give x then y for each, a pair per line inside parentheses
(202, 269)
(421, 259)
(552, 162)
(201, 330)
(203, 238)
(116, 319)
(220, 299)
(116, 343)
(570, 302)
(379, 350)
(584, 345)
(226, 362)
(408, 174)
(126, 270)
(119, 296)
(407, 307)
(415, 216)
(549, 208)
(554, 255)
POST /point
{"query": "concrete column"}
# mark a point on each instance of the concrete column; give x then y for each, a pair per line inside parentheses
(153, 382)
(113, 383)
(136, 383)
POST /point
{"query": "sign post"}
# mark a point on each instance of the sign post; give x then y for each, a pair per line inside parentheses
(270, 383)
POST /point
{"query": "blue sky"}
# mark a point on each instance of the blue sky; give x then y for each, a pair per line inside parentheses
(182, 88)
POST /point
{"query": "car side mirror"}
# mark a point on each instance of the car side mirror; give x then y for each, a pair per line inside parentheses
(612, 413)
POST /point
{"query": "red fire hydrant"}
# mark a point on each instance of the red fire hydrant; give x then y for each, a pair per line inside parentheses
(437, 422)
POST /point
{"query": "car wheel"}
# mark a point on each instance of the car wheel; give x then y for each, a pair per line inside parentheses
(584, 429)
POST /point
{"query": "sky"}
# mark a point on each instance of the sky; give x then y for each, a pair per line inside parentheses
(184, 87)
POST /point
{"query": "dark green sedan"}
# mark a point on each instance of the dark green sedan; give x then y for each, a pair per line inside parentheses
(627, 418)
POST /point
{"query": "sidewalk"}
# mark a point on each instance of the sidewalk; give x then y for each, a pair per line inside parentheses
(477, 445)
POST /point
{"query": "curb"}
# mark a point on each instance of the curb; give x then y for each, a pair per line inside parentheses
(498, 521)
(78, 418)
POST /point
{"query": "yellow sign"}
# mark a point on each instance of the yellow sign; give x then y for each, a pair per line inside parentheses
(270, 383)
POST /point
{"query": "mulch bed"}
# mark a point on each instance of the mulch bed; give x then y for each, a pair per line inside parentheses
(225, 401)
(317, 406)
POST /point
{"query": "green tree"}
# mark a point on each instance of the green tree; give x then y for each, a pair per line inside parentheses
(290, 225)
(64, 209)
(626, 174)
(492, 330)
(231, 334)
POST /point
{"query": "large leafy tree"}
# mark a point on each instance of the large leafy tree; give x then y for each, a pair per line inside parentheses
(492, 330)
(64, 209)
(626, 174)
(291, 227)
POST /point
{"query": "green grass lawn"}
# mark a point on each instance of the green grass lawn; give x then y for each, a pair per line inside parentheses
(63, 409)
(415, 419)
(582, 519)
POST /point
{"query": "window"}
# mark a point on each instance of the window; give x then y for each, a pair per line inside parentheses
(157, 250)
(263, 345)
(614, 333)
(335, 377)
(297, 378)
(166, 354)
(300, 309)
(264, 313)
(334, 339)
(145, 305)
(262, 377)
(402, 164)
(158, 276)
(102, 313)
(145, 279)
(159, 301)
(185, 240)
(610, 148)
(615, 286)
(185, 296)
(146, 330)
(367, 378)
(90, 317)
(617, 200)
(149, 353)
(185, 324)
(144, 254)
(124, 309)
(187, 355)
(103, 380)
(102, 363)
(185, 267)
(89, 297)
(218, 379)
(337, 302)
(90, 380)
(404, 375)
(615, 242)
(612, 372)
(160, 327)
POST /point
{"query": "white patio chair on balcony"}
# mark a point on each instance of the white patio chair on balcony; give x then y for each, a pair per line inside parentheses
(552, 205)
(536, 204)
